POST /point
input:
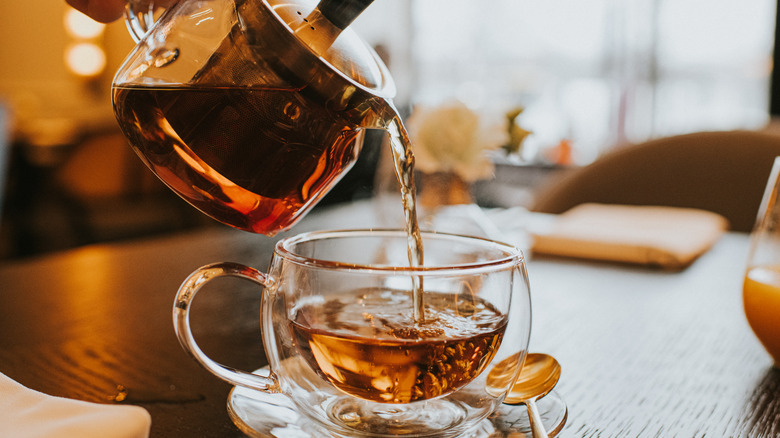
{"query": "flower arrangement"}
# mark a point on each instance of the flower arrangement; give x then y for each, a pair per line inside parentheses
(453, 139)
(517, 134)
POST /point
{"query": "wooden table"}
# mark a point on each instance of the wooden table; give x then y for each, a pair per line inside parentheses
(644, 352)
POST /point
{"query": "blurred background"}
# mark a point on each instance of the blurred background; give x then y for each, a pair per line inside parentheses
(590, 75)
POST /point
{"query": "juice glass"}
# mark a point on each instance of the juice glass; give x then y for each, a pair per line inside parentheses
(761, 288)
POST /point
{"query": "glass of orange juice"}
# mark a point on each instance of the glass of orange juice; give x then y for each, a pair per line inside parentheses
(761, 289)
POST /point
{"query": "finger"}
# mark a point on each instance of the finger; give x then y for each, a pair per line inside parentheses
(104, 11)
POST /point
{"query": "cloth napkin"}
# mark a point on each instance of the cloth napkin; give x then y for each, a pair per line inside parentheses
(668, 237)
(25, 413)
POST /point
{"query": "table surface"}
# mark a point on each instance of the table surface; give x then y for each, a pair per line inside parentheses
(644, 352)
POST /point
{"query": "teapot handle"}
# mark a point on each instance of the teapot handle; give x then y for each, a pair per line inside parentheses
(139, 17)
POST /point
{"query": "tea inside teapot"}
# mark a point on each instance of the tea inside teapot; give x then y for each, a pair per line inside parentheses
(242, 118)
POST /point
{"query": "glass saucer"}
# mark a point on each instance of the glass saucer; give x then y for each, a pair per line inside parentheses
(262, 415)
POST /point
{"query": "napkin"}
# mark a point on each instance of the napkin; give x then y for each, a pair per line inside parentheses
(668, 237)
(25, 413)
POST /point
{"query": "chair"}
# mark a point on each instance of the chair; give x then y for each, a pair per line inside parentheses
(5, 155)
(96, 191)
(5, 151)
(724, 172)
(113, 196)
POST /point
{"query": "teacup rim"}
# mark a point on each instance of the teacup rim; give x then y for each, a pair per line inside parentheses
(513, 255)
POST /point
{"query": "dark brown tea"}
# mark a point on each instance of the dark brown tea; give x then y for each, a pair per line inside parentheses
(369, 346)
(248, 157)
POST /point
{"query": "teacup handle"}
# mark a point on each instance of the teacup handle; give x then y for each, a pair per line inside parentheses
(181, 323)
(139, 17)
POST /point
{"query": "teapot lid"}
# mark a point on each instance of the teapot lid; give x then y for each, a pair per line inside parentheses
(348, 55)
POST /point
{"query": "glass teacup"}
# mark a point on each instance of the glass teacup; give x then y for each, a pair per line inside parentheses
(343, 344)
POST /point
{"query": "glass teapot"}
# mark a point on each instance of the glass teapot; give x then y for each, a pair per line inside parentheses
(250, 110)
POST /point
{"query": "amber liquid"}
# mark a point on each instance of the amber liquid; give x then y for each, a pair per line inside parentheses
(367, 345)
(761, 301)
(248, 157)
(403, 158)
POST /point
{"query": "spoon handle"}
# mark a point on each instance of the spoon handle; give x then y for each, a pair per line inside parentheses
(537, 427)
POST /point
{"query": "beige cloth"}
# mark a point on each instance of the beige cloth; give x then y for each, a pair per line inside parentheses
(669, 237)
(25, 413)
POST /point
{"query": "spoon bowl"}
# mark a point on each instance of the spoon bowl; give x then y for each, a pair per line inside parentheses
(538, 377)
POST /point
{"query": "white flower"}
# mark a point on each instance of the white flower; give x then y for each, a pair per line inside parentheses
(453, 138)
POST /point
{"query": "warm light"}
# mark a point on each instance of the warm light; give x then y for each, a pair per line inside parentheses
(85, 59)
(81, 26)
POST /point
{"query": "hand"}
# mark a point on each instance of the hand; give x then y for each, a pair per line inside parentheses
(106, 11)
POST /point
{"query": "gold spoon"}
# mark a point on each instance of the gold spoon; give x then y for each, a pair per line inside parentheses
(538, 377)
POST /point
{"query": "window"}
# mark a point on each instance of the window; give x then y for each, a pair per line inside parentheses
(597, 72)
